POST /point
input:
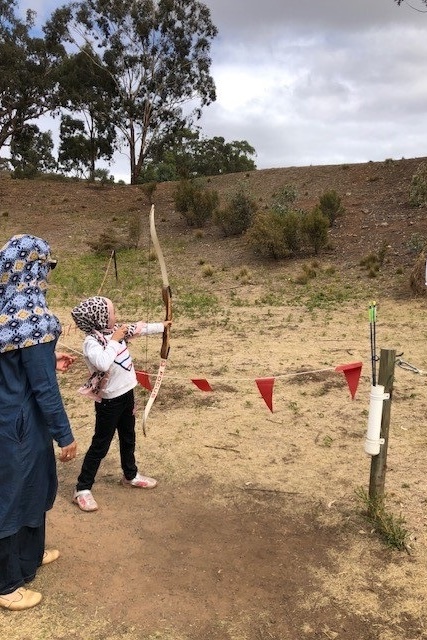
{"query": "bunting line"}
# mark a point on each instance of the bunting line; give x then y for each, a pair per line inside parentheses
(351, 371)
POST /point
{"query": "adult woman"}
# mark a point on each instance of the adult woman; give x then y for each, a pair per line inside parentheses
(32, 416)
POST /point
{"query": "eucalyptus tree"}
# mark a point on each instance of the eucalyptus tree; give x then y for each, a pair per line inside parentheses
(31, 152)
(158, 54)
(187, 154)
(28, 72)
(215, 156)
(86, 90)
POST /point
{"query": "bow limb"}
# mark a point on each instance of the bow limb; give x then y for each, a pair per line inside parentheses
(167, 300)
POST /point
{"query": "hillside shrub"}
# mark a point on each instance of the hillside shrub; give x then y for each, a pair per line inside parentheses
(236, 217)
(417, 278)
(275, 235)
(330, 205)
(195, 203)
(416, 243)
(265, 235)
(291, 223)
(374, 261)
(205, 203)
(148, 189)
(183, 195)
(315, 228)
(418, 188)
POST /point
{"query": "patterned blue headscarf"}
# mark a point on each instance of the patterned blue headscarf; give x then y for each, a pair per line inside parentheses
(25, 319)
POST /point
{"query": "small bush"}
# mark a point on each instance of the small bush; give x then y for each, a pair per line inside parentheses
(417, 280)
(416, 243)
(148, 189)
(183, 195)
(282, 201)
(205, 203)
(107, 241)
(236, 217)
(390, 528)
(374, 261)
(418, 188)
(330, 205)
(315, 228)
(207, 270)
(291, 223)
(195, 203)
(265, 235)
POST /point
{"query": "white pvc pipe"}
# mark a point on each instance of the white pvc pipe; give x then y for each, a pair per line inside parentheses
(373, 440)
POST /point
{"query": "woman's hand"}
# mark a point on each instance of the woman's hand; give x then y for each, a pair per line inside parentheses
(64, 361)
(69, 452)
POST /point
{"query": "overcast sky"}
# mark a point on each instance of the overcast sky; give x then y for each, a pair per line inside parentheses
(314, 81)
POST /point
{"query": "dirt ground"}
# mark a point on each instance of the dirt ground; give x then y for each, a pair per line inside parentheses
(255, 531)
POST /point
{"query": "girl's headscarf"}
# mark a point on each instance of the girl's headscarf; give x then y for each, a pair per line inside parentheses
(95, 314)
(25, 319)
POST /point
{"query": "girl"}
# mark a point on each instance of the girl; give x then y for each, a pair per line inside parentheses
(111, 385)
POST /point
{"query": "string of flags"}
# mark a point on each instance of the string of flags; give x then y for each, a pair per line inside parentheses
(265, 386)
(351, 371)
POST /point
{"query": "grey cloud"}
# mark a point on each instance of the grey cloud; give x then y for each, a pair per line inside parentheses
(263, 16)
(329, 81)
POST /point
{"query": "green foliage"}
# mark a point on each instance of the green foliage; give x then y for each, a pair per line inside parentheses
(236, 217)
(29, 71)
(389, 527)
(328, 298)
(282, 201)
(183, 195)
(416, 243)
(205, 203)
(86, 88)
(184, 154)
(148, 190)
(195, 203)
(102, 175)
(215, 156)
(31, 152)
(158, 57)
(291, 223)
(315, 228)
(278, 232)
(330, 205)
(198, 304)
(374, 261)
(418, 188)
(265, 235)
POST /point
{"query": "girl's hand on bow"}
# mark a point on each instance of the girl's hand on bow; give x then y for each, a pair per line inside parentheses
(120, 333)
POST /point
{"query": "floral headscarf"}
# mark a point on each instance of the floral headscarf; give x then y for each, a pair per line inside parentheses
(25, 319)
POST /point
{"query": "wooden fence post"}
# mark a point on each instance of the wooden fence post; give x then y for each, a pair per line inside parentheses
(379, 462)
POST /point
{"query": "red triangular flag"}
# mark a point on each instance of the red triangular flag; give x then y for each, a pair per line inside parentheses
(201, 384)
(352, 374)
(144, 379)
(265, 386)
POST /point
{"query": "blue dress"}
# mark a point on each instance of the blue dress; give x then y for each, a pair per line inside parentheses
(32, 415)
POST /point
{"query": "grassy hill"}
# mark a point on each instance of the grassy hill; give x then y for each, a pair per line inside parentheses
(374, 194)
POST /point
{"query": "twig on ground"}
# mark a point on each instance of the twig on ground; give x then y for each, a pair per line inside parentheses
(209, 446)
